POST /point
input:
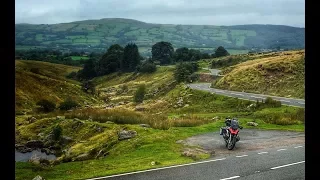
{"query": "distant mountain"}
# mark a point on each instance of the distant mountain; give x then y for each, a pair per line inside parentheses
(95, 35)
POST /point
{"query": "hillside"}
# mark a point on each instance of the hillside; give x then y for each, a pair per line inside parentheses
(278, 74)
(97, 35)
(89, 145)
(41, 80)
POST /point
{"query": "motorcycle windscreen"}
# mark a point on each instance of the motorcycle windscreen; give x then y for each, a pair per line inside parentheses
(234, 124)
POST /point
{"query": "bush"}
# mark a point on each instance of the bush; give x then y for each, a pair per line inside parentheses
(139, 95)
(72, 75)
(147, 67)
(35, 70)
(46, 105)
(68, 104)
(272, 103)
(184, 70)
(57, 132)
(88, 87)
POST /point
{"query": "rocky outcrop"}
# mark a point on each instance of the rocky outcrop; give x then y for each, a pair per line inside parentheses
(145, 125)
(38, 178)
(139, 108)
(252, 124)
(122, 135)
(34, 144)
(82, 157)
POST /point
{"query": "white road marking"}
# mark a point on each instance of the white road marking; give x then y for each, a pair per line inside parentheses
(288, 165)
(255, 97)
(300, 102)
(157, 169)
(233, 177)
(281, 149)
(262, 152)
(242, 156)
(240, 94)
(298, 146)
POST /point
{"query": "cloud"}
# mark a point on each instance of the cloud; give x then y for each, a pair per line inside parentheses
(204, 12)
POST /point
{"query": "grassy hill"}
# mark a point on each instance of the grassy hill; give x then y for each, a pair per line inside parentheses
(278, 74)
(173, 111)
(97, 35)
(41, 80)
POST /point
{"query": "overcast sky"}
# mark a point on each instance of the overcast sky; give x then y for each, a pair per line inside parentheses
(195, 12)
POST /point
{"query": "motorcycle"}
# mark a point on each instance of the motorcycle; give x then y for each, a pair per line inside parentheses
(231, 133)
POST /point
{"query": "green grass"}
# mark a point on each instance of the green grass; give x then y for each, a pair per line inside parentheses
(275, 75)
(76, 58)
(49, 83)
(100, 32)
(136, 154)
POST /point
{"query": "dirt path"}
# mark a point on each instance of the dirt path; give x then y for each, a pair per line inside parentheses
(250, 139)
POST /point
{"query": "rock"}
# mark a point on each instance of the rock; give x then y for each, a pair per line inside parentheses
(139, 108)
(77, 124)
(179, 141)
(41, 135)
(215, 118)
(145, 125)
(38, 178)
(252, 124)
(186, 105)
(22, 148)
(66, 139)
(60, 117)
(153, 163)
(34, 144)
(194, 153)
(122, 135)
(82, 157)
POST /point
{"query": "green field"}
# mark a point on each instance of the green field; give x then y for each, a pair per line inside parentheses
(102, 33)
(76, 58)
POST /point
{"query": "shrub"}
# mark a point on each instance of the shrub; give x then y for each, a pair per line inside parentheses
(88, 87)
(57, 132)
(46, 105)
(68, 104)
(184, 70)
(72, 75)
(35, 70)
(272, 103)
(147, 67)
(139, 95)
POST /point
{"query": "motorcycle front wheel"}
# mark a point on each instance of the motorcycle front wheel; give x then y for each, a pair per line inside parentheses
(232, 143)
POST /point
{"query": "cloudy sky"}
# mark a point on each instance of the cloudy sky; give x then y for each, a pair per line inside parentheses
(196, 12)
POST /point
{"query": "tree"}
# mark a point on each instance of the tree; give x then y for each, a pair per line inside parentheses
(147, 67)
(88, 87)
(57, 132)
(111, 61)
(184, 70)
(68, 104)
(181, 54)
(220, 51)
(163, 52)
(131, 57)
(47, 106)
(139, 95)
(88, 71)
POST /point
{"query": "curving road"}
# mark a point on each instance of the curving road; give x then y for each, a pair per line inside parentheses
(260, 154)
(275, 163)
(247, 96)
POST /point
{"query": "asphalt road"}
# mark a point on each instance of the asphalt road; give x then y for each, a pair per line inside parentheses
(247, 96)
(274, 163)
(214, 72)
